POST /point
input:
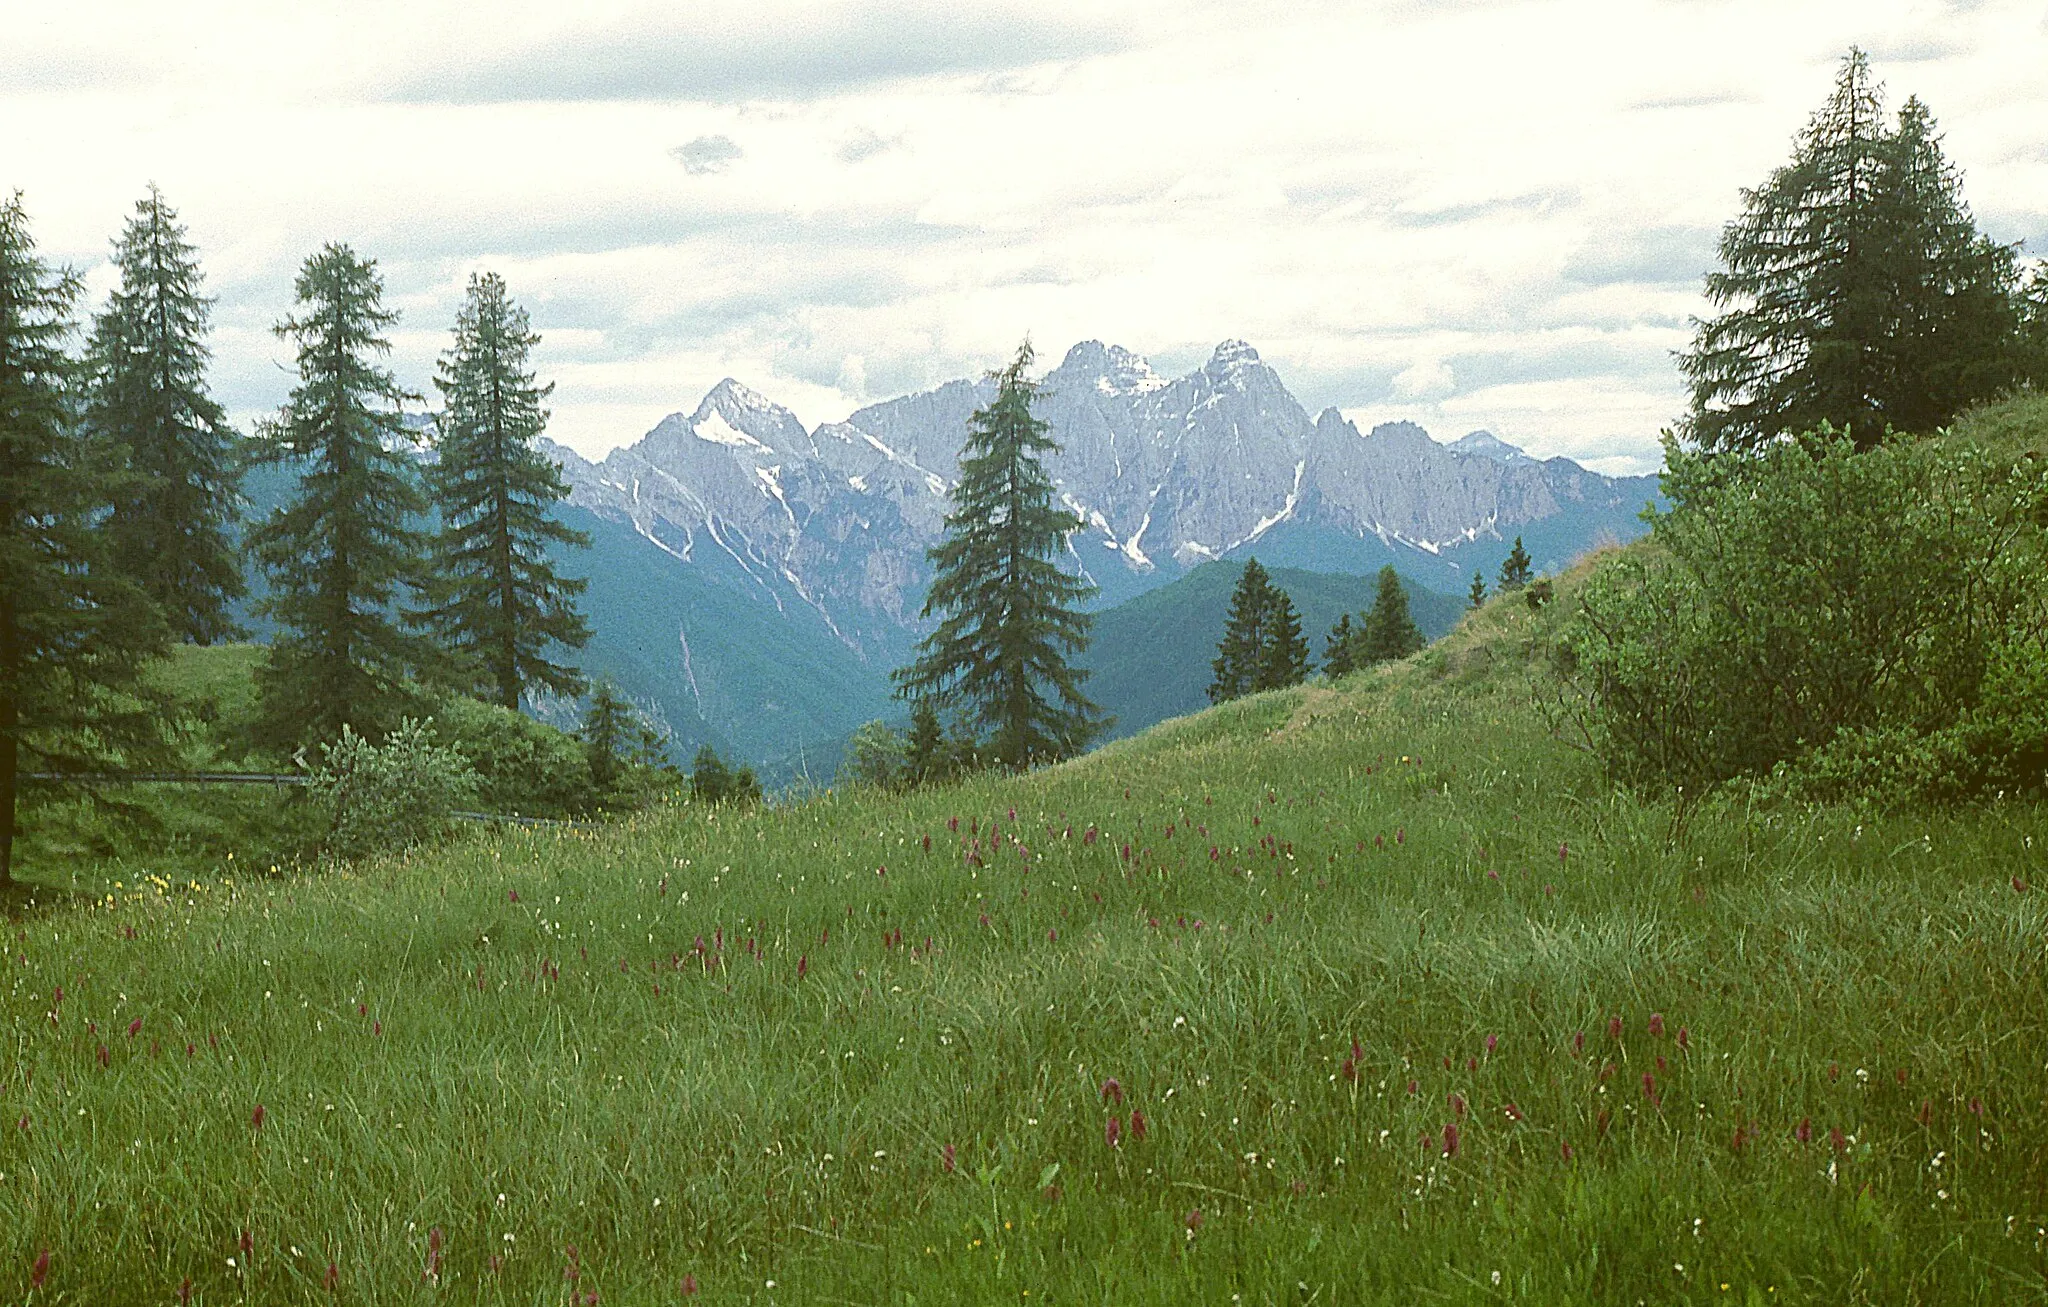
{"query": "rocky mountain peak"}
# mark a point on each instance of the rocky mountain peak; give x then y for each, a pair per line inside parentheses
(1484, 444)
(736, 415)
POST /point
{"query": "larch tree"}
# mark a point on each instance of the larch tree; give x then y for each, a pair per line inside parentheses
(174, 511)
(1010, 622)
(495, 600)
(1855, 290)
(75, 633)
(347, 544)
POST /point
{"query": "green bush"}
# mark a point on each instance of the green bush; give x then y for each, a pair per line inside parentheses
(876, 756)
(523, 767)
(712, 782)
(1865, 621)
(394, 795)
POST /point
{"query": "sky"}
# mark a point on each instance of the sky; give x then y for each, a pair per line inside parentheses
(1467, 213)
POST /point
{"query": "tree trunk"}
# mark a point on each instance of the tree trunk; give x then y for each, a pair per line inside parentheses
(10, 720)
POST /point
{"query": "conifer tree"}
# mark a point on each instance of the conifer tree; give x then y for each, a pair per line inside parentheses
(495, 601)
(1241, 652)
(925, 752)
(609, 729)
(1515, 569)
(1011, 623)
(340, 552)
(1338, 647)
(1855, 289)
(1283, 649)
(710, 778)
(74, 632)
(174, 513)
(1478, 591)
(1390, 632)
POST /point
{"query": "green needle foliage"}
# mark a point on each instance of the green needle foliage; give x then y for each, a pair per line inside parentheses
(74, 633)
(340, 552)
(1011, 625)
(496, 603)
(1516, 569)
(1337, 647)
(173, 519)
(1478, 591)
(1390, 632)
(1855, 290)
(1262, 646)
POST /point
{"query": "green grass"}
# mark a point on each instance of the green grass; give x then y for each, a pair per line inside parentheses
(1408, 861)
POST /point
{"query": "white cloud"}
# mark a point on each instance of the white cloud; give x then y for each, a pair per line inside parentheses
(1481, 215)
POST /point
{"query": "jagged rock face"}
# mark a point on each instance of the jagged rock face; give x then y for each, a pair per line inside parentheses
(1165, 474)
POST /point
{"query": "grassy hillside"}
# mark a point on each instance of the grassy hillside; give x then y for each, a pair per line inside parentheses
(1415, 1008)
(1150, 658)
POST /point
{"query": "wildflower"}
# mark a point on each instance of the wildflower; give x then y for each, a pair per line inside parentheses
(2018, 886)
(41, 1270)
(1926, 1113)
(1656, 1025)
(1614, 1027)
(1976, 1107)
(1137, 1125)
(1514, 1113)
(689, 1285)
(1803, 1132)
(135, 1027)
(803, 966)
(512, 895)
(1562, 850)
(1564, 1150)
(1649, 1086)
(946, 1158)
(185, 1291)
(1450, 1139)
(256, 1117)
(1401, 835)
(1684, 1038)
(1900, 1075)
(1194, 1220)
(1602, 1121)
(1457, 1102)
(1113, 1131)
(104, 1059)
(247, 1243)
(1834, 1071)
(1579, 1042)
(1492, 1042)
(1837, 1139)
(1414, 1086)
(1052, 937)
(1113, 1091)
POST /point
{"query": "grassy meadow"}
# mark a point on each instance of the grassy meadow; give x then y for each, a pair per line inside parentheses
(1352, 994)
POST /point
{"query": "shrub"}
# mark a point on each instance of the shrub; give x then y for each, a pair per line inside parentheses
(1814, 607)
(712, 782)
(390, 796)
(876, 756)
(522, 766)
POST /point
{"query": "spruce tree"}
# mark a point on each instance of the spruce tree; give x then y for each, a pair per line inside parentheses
(1283, 650)
(340, 552)
(495, 601)
(1338, 647)
(711, 781)
(1478, 591)
(173, 516)
(1011, 624)
(925, 760)
(608, 732)
(1855, 289)
(1515, 569)
(1241, 652)
(1390, 632)
(74, 632)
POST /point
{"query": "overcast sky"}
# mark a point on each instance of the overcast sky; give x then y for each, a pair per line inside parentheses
(1471, 214)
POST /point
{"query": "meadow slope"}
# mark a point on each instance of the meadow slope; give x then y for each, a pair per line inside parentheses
(1413, 1007)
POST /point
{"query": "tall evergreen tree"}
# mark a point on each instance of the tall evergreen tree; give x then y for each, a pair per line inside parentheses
(1011, 623)
(1339, 647)
(1855, 288)
(173, 516)
(495, 600)
(1516, 569)
(1283, 650)
(340, 552)
(1241, 652)
(609, 728)
(1390, 632)
(74, 632)
(1478, 591)
(925, 751)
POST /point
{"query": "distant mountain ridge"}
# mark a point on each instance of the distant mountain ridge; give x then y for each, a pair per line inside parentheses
(1167, 473)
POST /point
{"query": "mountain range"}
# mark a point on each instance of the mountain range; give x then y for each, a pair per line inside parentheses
(753, 581)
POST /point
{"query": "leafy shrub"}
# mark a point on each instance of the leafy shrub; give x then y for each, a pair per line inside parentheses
(1814, 611)
(876, 756)
(522, 766)
(390, 796)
